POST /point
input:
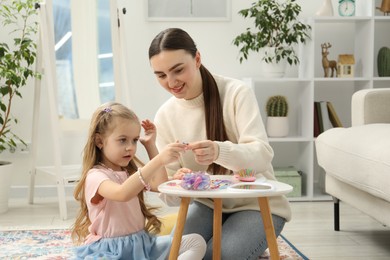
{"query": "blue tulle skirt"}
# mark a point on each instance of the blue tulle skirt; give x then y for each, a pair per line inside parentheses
(138, 246)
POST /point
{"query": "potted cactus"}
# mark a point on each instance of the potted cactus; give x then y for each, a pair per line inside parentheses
(383, 62)
(277, 112)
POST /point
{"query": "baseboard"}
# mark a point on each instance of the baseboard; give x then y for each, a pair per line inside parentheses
(41, 191)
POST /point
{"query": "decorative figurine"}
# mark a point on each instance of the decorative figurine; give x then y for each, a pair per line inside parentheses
(385, 7)
(326, 9)
(327, 64)
(346, 66)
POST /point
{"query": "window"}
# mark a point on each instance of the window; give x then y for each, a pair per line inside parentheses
(105, 58)
(81, 87)
(67, 106)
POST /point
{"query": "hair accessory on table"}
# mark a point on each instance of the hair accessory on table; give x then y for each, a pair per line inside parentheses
(219, 184)
(107, 109)
(248, 175)
(195, 181)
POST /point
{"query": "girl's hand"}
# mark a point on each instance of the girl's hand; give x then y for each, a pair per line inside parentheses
(206, 152)
(180, 173)
(171, 153)
(150, 132)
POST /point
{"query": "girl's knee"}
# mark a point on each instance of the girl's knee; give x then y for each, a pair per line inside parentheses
(193, 246)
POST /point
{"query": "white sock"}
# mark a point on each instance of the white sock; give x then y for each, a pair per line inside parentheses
(193, 247)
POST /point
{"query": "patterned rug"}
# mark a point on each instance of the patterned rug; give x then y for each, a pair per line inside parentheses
(56, 244)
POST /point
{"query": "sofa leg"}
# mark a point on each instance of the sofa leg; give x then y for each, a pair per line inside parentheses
(336, 207)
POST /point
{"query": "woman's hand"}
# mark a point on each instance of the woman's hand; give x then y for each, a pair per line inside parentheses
(150, 133)
(206, 152)
(180, 173)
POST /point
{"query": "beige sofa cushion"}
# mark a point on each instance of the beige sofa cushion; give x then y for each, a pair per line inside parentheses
(359, 156)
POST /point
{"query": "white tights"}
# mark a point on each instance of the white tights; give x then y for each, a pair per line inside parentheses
(193, 247)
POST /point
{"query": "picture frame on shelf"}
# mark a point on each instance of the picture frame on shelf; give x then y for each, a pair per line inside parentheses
(188, 10)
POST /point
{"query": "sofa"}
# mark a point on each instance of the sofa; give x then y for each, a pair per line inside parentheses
(356, 159)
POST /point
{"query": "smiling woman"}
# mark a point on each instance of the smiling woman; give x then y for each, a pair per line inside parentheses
(219, 118)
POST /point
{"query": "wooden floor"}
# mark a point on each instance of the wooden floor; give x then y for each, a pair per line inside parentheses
(360, 237)
(311, 229)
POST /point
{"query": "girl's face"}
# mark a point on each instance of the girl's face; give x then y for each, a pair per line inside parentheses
(178, 72)
(120, 145)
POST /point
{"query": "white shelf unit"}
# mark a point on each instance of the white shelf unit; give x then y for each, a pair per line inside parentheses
(362, 36)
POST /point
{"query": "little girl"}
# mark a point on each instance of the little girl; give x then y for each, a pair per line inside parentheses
(113, 221)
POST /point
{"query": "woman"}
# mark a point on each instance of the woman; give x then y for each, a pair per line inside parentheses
(219, 119)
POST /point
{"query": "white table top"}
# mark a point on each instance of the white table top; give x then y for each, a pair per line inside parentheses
(272, 188)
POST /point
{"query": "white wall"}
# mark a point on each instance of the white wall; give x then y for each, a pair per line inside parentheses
(219, 55)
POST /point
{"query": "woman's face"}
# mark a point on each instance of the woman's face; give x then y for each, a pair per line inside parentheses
(178, 72)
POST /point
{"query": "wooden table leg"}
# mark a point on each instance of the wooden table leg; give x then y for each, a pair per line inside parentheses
(181, 220)
(269, 228)
(217, 229)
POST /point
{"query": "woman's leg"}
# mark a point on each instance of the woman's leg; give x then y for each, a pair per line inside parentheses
(243, 235)
(193, 247)
(199, 220)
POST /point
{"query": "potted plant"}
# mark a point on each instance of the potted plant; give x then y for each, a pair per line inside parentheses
(19, 19)
(277, 112)
(276, 29)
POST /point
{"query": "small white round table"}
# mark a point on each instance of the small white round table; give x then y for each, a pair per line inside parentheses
(173, 188)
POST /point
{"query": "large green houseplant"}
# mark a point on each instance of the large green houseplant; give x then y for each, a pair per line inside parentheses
(19, 20)
(277, 26)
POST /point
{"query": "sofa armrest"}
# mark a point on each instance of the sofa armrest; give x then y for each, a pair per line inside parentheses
(371, 106)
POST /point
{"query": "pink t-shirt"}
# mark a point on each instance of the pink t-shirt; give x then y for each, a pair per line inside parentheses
(110, 218)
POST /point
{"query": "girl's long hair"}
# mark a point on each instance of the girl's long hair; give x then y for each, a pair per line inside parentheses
(178, 39)
(102, 122)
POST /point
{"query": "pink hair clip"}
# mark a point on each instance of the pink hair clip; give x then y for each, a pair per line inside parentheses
(107, 109)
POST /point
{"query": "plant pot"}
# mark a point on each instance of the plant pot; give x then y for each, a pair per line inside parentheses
(5, 183)
(273, 70)
(277, 126)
